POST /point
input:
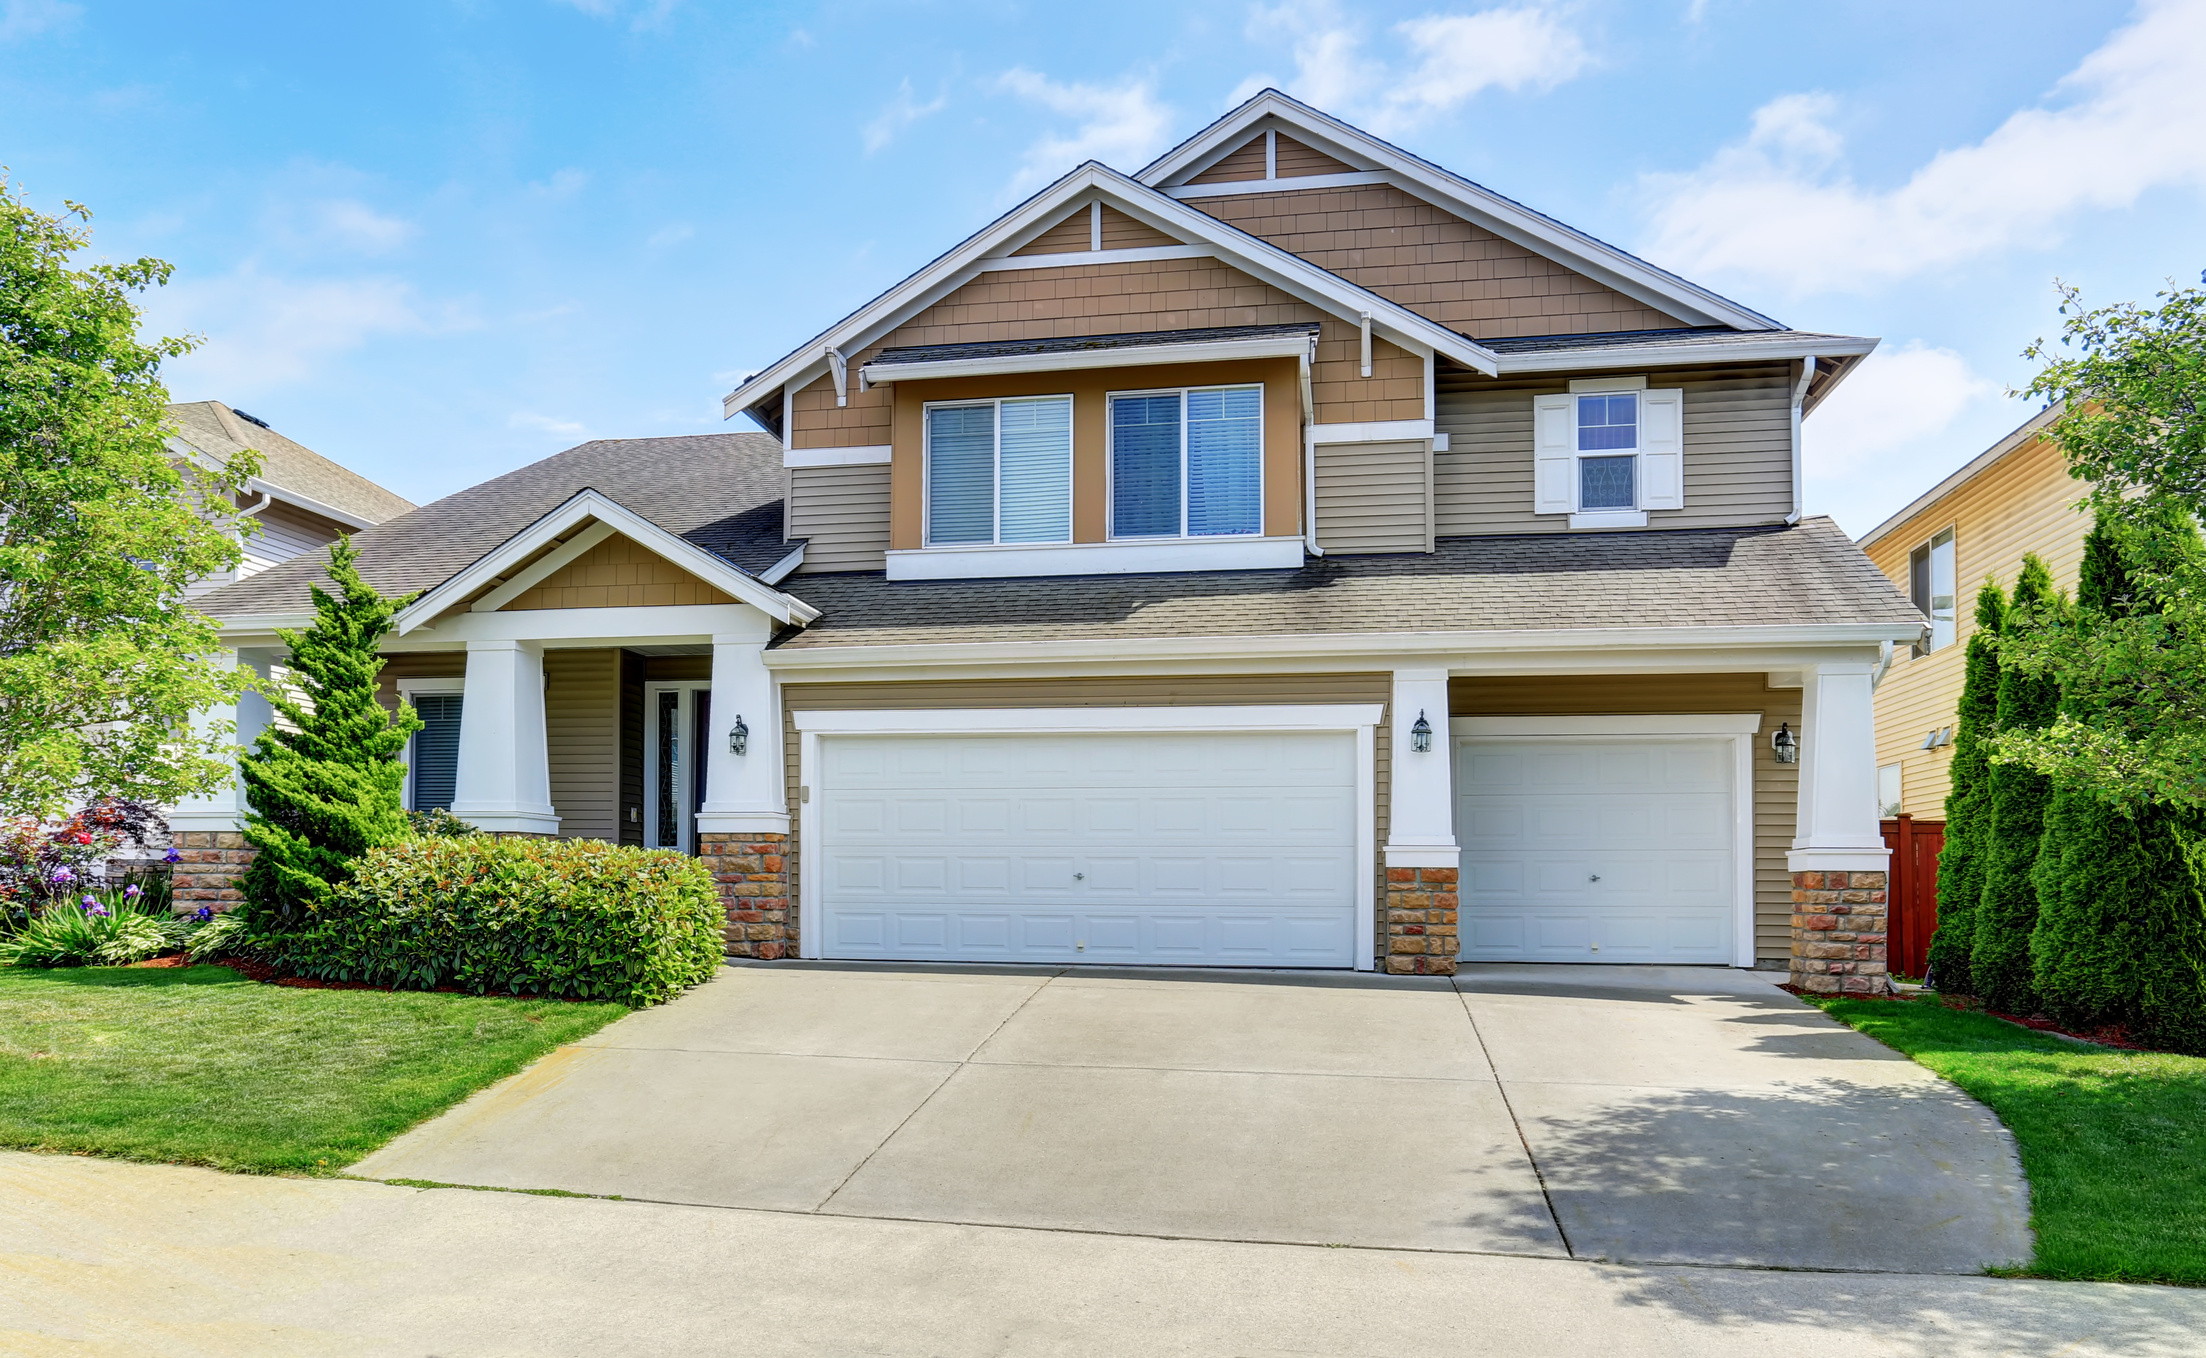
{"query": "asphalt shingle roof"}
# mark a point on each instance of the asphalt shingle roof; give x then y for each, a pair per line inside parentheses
(216, 430)
(1068, 344)
(721, 492)
(1805, 575)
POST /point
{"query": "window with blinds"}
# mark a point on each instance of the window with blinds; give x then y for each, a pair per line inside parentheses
(999, 471)
(1187, 463)
(436, 755)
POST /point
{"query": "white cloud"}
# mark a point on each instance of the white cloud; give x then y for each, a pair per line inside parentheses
(566, 429)
(1121, 125)
(29, 18)
(899, 113)
(1445, 59)
(264, 331)
(1896, 399)
(355, 226)
(1779, 206)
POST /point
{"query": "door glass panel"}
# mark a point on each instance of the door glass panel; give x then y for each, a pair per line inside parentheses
(667, 833)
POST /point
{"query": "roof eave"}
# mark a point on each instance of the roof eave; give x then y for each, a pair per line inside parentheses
(1679, 355)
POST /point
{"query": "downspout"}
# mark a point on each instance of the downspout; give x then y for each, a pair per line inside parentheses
(1799, 395)
(1309, 460)
(1884, 665)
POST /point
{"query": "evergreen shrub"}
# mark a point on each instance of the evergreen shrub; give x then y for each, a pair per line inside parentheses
(2006, 913)
(1968, 800)
(573, 918)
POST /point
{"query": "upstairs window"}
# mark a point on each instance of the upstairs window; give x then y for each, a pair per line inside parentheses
(1931, 584)
(1608, 448)
(999, 471)
(1608, 451)
(1187, 463)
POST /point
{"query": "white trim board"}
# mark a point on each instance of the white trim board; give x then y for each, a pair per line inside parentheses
(1132, 356)
(1074, 258)
(1128, 556)
(1228, 188)
(1358, 719)
(1681, 355)
(872, 454)
(1623, 724)
(1371, 431)
(408, 686)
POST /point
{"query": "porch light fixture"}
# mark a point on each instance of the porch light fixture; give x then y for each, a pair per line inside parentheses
(1420, 735)
(739, 736)
(1785, 744)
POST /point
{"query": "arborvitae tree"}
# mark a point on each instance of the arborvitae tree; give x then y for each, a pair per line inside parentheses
(329, 790)
(1961, 862)
(2006, 914)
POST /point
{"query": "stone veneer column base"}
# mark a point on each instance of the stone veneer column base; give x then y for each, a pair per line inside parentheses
(753, 874)
(1420, 921)
(1838, 932)
(208, 864)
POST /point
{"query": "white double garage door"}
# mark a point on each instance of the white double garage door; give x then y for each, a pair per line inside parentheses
(1248, 847)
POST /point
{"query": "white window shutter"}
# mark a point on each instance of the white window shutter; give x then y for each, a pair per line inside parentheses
(1553, 449)
(1662, 449)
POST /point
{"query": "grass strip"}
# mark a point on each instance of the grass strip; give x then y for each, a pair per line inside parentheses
(197, 1065)
(2113, 1142)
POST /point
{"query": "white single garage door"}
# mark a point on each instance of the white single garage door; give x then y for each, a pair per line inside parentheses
(1206, 848)
(1597, 849)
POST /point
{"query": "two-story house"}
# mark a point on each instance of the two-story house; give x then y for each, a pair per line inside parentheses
(1202, 566)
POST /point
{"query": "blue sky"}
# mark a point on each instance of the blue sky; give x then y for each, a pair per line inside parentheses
(437, 241)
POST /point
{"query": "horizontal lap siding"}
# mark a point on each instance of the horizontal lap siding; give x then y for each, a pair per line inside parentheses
(2024, 502)
(842, 513)
(582, 731)
(285, 532)
(1245, 161)
(1738, 450)
(1372, 497)
(1158, 691)
(1121, 232)
(1294, 160)
(1069, 236)
(1776, 786)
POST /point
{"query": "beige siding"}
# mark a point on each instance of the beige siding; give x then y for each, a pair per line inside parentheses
(1295, 160)
(1738, 451)
(1245, 161)
(1121, 232)
(1776, 786)
(582, 729)
(287, 531)
(1162, 691)
(1374, 497)
(1069, 236)
(843, 515)
(2024, 502)
(1433, 262)
(617, 573)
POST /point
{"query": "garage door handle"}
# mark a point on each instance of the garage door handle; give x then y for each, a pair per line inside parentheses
(1594, 878)
(1079, 876)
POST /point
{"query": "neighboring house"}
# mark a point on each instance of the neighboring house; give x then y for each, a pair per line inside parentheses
(301, 500)
(2014, 497)
(1196, 567)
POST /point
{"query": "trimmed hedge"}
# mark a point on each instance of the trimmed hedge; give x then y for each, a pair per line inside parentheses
(577, 918)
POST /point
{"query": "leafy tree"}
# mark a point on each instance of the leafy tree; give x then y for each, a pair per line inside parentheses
(330, 789)
(2006, 913)
(1961, 862)
(101, 662)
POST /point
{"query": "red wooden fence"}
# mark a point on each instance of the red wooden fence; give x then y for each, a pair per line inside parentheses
(1915, 845)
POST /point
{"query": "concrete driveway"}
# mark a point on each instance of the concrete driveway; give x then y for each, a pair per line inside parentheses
(1632, 1115)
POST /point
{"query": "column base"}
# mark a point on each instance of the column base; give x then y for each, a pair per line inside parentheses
(1839, 922)
(208, 866)
(1420, 913)
(753, 875)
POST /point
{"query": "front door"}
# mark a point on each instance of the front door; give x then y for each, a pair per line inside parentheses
(676, 718)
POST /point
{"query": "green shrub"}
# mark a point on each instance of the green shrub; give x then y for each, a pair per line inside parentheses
(438, 823)
(89, 933)
(2006, 914)
(575, 918)
(1968, 802)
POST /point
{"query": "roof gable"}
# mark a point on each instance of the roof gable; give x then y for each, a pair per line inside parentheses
(288, 470)
(1182, 170)
(616, 572)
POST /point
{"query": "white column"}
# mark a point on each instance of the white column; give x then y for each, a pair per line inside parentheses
(1837, 829)
(504, 780)
(224, 808)
(1421, 795)
(743, 792)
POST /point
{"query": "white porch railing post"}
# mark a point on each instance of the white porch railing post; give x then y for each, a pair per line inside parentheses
(1422, 857)
(504, 777)
(743, 792)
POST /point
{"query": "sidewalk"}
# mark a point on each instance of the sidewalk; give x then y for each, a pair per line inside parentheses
(102, 1258)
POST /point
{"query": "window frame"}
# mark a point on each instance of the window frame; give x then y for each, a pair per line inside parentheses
(1110, 463)
(408, 686)
(1579, 455)
(1927, 552)
(995, 501)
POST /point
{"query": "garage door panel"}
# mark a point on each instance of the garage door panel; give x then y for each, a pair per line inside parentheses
(1210, 847)
(1610, 849)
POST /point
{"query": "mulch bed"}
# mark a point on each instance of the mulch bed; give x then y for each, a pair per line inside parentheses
(2115, 1036)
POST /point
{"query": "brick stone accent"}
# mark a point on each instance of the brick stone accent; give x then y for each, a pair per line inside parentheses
(1838, 932)
(753, 874)
(208, 864)
(1420, 921)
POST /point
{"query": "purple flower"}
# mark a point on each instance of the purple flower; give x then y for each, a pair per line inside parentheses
(132, 891)
(91, 902)
(174, 856)
(94, 908)
(203, 913)
(64, 875)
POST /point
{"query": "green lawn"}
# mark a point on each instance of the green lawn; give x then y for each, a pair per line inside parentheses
(2114, 1142)
(200, 1066)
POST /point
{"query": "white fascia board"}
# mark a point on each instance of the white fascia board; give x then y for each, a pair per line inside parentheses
(544, 566)
(1135, 556)
(1780, 645)
(1371, 431)
(780, 570)
(1232, 188)
(870, 455)
(1680, 355)
(653, 625)
(1511, 220)
(1069, 259)
(943, 721)
(1093, 181)
(244, 629)
(1069, 360)
(1635, 724)
(309, 503)
(589, 504)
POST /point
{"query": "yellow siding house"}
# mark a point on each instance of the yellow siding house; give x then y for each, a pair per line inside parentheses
(2013, 498)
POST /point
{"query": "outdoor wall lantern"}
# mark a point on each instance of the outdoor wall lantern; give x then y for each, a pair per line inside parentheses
(1420, 735)
(1785, 744)
(739, 736)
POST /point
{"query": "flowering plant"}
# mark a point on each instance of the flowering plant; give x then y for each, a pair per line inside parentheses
(42, 861)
